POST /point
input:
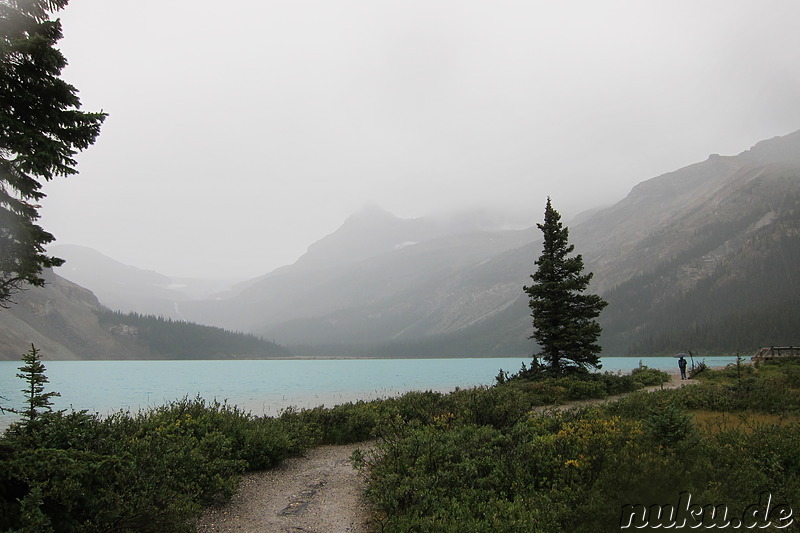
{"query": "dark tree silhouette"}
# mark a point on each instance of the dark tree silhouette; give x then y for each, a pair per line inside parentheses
(564, 322)
(41, 130)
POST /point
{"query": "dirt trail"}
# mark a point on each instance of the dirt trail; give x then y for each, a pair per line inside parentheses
(318, 493)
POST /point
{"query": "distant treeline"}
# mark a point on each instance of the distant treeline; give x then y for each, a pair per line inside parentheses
(177, 339)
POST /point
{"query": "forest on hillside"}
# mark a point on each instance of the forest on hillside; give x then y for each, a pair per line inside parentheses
(747, 302)
(176, 339)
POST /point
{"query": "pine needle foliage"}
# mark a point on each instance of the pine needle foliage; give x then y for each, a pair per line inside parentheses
(41, 130)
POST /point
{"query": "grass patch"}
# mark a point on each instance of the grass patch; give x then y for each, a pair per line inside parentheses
(713, 422)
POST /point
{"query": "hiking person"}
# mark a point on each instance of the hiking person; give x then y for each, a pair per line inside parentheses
(682, 366)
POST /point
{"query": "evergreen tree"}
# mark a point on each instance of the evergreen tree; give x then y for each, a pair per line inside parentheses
(564, 322)
(41, 130)
(32, 372)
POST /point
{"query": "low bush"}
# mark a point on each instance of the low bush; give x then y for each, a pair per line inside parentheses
(342, 424)
(648, 377)
(149, 471)
(497, 407)
(419, 406)
(584, 389)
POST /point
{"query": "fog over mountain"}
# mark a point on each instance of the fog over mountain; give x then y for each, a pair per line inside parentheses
(123, 287)
(238, 134)
(685, 259)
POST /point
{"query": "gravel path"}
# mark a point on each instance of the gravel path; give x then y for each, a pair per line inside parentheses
(318, 493)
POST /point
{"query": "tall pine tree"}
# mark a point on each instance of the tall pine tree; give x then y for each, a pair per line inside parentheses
(41, 130)
(564, 322)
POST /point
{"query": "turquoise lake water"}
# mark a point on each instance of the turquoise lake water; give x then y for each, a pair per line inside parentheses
(269, 386)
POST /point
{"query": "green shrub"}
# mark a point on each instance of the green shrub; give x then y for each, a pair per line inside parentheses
(540, 392)
(150, 471)
(668, 425)
(342, 424)
(637, 405)
(431, 465)
(648, 377)
(489, 406)
(419, 406)
(584, 389)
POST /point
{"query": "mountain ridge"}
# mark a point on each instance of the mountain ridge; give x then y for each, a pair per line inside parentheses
(382, 285)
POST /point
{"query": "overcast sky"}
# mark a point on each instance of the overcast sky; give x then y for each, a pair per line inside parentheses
(240, 132)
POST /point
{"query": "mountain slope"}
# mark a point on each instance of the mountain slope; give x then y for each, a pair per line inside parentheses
(430, 290)
(60, 319)
(66, 321)
(729, 278)
(643, 230)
